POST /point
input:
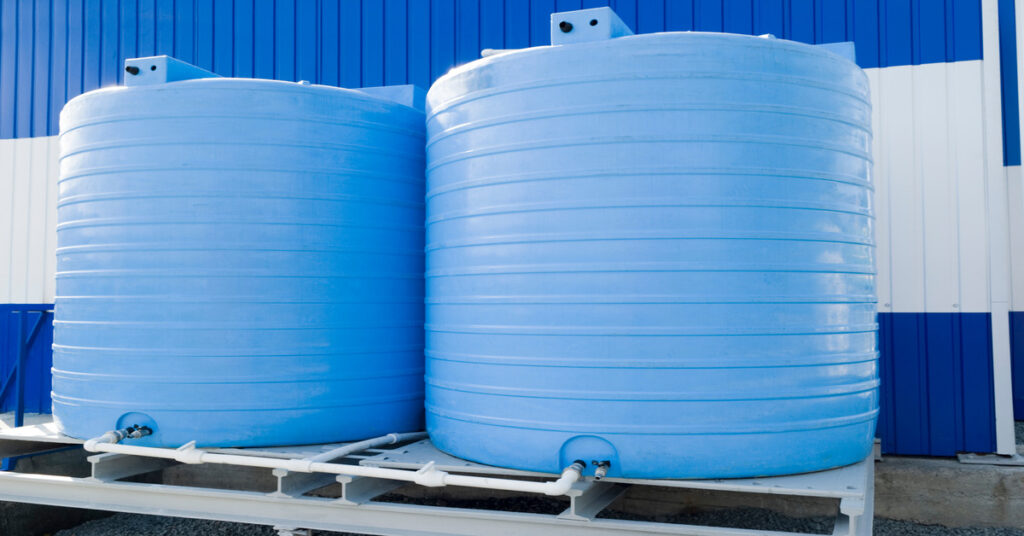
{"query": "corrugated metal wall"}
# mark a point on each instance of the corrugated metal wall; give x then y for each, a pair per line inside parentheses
(930, 151)
(1017, 345)
(942, 402)
(28, 243)
(53, 50)
(932, 217)
(936, 137)
(28, 216)
(38, 360)
(1008, 75)
(1011, 19)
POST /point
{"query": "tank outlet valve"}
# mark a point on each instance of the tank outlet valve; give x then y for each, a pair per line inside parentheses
(137, 431)
(602, 469)
(132, 432)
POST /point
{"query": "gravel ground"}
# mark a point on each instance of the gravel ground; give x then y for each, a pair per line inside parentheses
(1019, 427)
(139, 525)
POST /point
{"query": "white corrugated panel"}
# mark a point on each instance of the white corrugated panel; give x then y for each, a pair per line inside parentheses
(28, 219)
(1015, 181)
(1015, 196)
(941, 190)
(930, 188)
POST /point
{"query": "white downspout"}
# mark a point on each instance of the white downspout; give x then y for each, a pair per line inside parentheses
(998, 231)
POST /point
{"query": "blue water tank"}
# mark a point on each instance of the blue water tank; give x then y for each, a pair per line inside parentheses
(654, 251)
(239, 261)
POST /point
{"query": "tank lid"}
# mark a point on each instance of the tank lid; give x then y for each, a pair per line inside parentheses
(581, 26)
(160, 70)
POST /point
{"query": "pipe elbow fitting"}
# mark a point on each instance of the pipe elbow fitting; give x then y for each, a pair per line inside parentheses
(569, 477)
(110, 437)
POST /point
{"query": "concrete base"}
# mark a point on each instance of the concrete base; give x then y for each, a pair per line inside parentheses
(935, 491)
(946, 492)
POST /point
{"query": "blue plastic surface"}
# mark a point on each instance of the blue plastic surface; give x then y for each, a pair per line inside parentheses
(239, 263)
(655, 250)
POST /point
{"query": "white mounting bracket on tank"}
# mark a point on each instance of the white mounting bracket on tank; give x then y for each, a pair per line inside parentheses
(160, 70)
(153, 70)
(409, 95)
(844, 49)
(602, 23)
(584, 25)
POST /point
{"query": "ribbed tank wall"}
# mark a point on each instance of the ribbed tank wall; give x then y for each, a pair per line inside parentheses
(653, 250)
(239, 263)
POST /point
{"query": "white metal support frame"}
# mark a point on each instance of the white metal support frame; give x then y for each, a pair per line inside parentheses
(292, 511)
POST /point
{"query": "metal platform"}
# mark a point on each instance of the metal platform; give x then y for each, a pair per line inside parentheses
(290, 507)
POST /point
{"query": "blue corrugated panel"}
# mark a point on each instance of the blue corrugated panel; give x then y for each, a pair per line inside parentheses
(38, 361)
(1017, 362)
(937, 391)
(1008, 74)
(52, 50)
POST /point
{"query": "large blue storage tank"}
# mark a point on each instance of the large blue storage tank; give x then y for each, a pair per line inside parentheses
(654, 251)
(239, 261)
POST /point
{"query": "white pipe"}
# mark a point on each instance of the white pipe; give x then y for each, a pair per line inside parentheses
(345, 450)
(427, 476)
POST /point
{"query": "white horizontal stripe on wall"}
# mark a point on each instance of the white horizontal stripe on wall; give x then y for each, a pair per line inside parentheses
(930, 149)
(28, 219)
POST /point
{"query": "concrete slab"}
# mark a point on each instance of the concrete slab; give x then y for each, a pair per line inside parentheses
(946, 492)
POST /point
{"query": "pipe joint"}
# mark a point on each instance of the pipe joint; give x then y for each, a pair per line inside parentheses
(188, 453)
(430, 476)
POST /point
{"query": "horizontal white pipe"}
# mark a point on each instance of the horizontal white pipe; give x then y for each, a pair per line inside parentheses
(345, 450)
(427, 476)
(333, 454)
